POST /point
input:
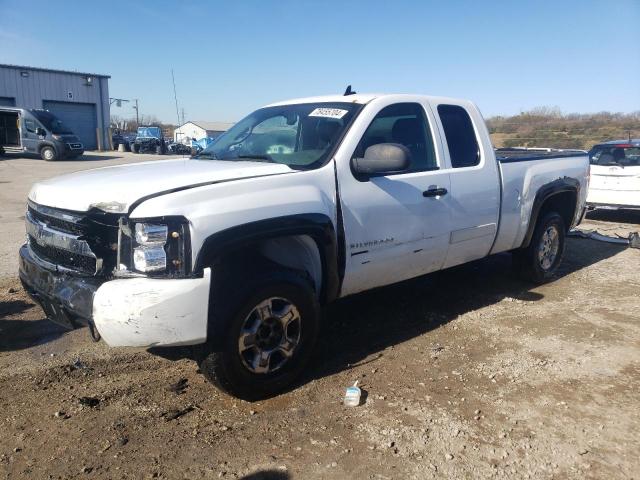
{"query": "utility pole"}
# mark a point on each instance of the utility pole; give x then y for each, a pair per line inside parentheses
(175, 95)
(183, 116)
(137, 112)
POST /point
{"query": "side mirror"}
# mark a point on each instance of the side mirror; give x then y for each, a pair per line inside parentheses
(383, 158)
(40, 131)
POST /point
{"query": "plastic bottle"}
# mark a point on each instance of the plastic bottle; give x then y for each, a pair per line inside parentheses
(352, 396)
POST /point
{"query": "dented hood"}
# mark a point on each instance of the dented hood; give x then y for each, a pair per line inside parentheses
(115, 189)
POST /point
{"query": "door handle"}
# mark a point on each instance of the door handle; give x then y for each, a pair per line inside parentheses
(435, 192)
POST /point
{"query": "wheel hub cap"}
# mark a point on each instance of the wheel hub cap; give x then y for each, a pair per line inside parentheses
(270, 335)
(548, 248)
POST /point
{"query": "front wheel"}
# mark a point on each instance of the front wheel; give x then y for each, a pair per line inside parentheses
(540, 260)
(268, 335)
(49, 154)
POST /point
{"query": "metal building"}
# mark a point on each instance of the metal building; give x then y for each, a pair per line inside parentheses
(80, 100)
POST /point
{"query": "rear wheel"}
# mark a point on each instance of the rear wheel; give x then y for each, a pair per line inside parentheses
(135, 148)
(49, 154)
(270, 327)
(540, 260)
(159, 150)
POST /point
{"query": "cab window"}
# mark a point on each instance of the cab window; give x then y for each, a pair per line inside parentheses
(30, 125)
(461, 138)
(406, 124)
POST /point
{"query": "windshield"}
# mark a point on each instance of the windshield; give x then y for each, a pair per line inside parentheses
(301, 135)
(621, 155)
(51, 122)
(149, 132)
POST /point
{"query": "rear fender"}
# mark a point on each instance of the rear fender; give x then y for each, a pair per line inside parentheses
(545, 193)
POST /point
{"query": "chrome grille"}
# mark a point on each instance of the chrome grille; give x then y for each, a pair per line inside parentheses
(57, 237)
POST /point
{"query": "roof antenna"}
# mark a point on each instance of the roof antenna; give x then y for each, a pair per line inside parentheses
(348, 91)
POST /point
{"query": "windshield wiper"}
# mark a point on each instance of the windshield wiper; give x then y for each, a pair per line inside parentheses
(257, 157)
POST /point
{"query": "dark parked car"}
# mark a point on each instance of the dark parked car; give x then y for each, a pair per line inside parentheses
(149, 139)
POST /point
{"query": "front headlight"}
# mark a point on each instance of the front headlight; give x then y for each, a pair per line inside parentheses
(157, 248)
(148, 233)
(150, 259)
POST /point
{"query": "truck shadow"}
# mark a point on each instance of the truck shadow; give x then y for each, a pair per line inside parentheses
(358, 329)
(18, 334)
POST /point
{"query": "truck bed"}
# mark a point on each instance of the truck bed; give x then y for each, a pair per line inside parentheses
(523, 172)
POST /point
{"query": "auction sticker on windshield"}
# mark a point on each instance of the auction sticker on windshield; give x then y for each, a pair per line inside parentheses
(329, 112)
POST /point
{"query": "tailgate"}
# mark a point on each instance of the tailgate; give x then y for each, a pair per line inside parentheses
(615, 178)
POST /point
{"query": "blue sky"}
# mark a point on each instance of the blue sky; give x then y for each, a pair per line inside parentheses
(234, 56)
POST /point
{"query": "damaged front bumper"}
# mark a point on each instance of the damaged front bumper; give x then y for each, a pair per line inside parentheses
(66, 299)
(136, 312)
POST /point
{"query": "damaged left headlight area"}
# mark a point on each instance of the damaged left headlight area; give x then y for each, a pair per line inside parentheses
(154, 247)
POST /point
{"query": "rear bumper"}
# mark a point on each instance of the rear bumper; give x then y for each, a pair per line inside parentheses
(134, 312)
(613, 198)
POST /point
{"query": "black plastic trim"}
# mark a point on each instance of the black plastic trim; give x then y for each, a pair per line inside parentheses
(318, 226)
(533, 158)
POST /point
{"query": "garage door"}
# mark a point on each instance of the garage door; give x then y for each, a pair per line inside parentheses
(79, 117)
(7, 102)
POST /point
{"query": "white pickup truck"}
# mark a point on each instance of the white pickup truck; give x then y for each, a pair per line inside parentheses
(237, 249)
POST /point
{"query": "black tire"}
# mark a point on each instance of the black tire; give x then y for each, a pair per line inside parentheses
(48, 153)
(159, 150)
(1, 151)
(222, 363)
(135, 148)
(528, 263)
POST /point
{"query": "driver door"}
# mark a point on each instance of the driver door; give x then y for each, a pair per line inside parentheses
(395, 228)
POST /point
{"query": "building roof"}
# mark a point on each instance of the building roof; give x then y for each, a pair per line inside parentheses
(214, 126)
(51, 70)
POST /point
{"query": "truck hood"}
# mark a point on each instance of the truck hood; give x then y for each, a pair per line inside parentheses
(115, 189)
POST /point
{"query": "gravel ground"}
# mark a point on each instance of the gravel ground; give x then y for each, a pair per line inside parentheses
(467, 373)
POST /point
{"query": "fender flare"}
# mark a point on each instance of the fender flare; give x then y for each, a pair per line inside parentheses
(546, 191)
(318, 226)
(47, 143)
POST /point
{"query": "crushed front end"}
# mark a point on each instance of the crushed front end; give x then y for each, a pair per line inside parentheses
(132, 280)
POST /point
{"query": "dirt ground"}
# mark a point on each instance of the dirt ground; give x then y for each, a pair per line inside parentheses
(468, 374)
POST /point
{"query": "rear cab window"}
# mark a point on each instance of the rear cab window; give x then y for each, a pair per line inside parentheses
(464, 150)
(623, 155)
